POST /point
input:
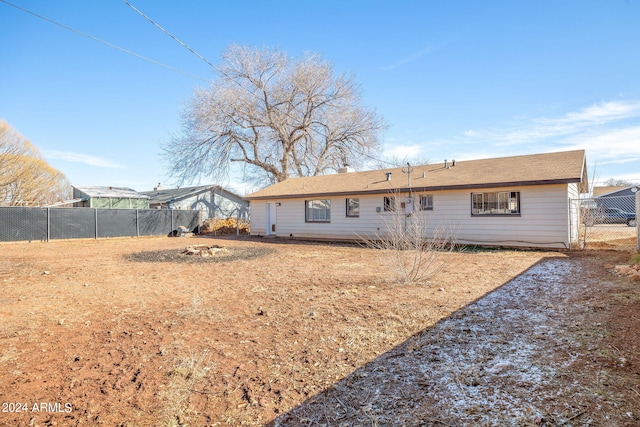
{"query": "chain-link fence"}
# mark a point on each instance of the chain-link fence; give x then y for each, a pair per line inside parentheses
(25, 224)
(607, 222)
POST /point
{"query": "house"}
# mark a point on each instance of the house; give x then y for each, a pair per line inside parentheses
(622, 198)
(599, 191)
(213, 200)
(109, 198)
(510, 201)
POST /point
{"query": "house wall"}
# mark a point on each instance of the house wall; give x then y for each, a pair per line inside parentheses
(118, 203)
(543, 220)
(213, 205)
(77, 194)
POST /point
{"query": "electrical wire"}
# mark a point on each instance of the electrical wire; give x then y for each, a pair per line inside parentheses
(180, 42)
(169, 34)
(104, 42)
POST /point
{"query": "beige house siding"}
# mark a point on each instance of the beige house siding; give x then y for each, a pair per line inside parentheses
(258, 215)
(543, 221)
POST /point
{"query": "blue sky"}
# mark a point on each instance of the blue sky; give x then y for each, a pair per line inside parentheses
(453, 79)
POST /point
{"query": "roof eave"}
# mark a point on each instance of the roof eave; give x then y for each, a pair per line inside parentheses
(418, 189)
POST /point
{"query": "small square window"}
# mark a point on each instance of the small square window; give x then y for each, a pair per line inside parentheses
(426, 202)
(353, 208)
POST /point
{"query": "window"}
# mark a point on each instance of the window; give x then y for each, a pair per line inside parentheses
(389, 204)
(426, 202)
(318, 210)
(353, 207)
(495, 203)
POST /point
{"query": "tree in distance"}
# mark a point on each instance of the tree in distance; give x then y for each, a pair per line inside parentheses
(612, 182)
(25, 177)
(281, 117)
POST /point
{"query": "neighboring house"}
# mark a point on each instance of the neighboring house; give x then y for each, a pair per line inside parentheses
(510, 201)
(109, 198)
(623, 198)
(599, 191)
(213, 200)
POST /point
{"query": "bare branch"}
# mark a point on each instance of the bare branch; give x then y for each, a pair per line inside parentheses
(280, 117)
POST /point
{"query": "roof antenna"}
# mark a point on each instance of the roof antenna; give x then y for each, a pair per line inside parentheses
(408, 171)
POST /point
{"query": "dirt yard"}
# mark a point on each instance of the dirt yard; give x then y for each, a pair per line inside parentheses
(131, 332)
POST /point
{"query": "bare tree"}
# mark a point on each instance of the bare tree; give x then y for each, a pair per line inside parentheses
(398, 161)
(281, 117)
(25, 177)
(612, 182)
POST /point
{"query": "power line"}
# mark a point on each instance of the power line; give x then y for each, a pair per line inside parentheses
(177, 40)
(169, 34)
(106, 43)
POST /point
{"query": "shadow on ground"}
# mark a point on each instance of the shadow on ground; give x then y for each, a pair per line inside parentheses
(504, 359)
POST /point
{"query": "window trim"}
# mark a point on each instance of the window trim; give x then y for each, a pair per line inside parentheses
(352, 215)
(389, 204)
(327, 210)
(427, 197)
(497, 196)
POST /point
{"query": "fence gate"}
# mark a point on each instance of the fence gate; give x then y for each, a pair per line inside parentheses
(607, 222)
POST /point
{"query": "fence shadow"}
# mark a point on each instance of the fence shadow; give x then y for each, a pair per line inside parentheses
(444, 372)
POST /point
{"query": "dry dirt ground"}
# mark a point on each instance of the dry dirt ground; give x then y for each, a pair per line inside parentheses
(129, 332)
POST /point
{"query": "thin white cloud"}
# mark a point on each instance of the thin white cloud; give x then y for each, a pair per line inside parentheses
(597, 119)
(81, 158)
(609, 146)
(598, 114)
(408, 59)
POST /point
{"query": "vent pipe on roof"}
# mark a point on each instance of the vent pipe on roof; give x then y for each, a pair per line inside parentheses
(453, 162)
(446, 165)
(388, 176)
(158, 187)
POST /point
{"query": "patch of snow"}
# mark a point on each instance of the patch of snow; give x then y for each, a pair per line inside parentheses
(487, 364)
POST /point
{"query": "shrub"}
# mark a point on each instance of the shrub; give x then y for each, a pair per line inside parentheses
(411, 247)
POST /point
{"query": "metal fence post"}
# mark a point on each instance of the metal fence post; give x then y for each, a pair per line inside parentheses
(137, 223)
(96, 221)
(48, 224)
(237, 221)
(637, 226)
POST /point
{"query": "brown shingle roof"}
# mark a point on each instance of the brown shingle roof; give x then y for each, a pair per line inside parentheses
(548, 168)
(599, 191)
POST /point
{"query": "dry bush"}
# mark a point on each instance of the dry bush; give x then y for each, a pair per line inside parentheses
(411, 247)
(224, 226)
